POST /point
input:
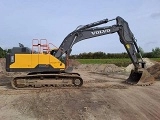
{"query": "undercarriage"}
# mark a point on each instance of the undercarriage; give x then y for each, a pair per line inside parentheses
(47, 80)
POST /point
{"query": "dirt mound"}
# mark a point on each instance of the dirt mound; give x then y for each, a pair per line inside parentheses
(2, 65)
(104, 68)
(73, 63)
(149, 63)
(155, 70)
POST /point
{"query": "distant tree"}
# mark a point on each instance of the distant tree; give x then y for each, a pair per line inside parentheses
(156, 52)
(148, 55)
(141, 50)
(90, 55)
(2, 53)
(124, 55)
(99, 55)
(8, 50)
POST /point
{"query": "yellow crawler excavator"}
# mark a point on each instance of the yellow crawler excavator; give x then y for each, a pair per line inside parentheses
(49, 68)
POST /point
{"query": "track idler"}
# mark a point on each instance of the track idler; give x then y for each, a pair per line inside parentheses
(141, 77)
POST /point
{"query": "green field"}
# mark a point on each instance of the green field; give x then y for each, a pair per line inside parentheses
(119, 62)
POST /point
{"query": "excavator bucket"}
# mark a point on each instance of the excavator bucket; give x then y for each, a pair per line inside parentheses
(141, 77)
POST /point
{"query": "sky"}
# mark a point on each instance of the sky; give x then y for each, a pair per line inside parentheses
(24, 20)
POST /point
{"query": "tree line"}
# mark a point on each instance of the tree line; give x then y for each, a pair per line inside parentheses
(102, 55)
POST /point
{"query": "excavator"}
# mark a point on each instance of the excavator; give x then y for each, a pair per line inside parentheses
(50, 68)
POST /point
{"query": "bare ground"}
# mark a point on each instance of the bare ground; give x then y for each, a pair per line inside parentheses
(104, 97)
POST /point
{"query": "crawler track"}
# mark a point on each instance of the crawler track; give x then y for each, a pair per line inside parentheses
(47, 80)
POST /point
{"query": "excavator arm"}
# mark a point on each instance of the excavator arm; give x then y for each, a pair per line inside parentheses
(139, 75)
(89, 31)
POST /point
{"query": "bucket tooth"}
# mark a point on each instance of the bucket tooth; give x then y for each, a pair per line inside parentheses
(141, 77)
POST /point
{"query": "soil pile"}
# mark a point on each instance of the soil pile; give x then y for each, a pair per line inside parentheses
(155, 70)
(103, 68)
(149, 63)
(73, 63)
(2, 65)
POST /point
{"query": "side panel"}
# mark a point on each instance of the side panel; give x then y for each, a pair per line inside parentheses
(34, 60)
(35, 63)
(46, 60)
(22, 61)
(54, 62)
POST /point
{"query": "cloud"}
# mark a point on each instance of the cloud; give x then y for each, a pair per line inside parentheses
(151, 43)
(155, 15)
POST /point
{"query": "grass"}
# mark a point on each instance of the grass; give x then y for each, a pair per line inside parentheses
(155, 59)
(119, 62)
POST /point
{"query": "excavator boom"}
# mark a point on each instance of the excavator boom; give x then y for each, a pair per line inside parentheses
(126, 38)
